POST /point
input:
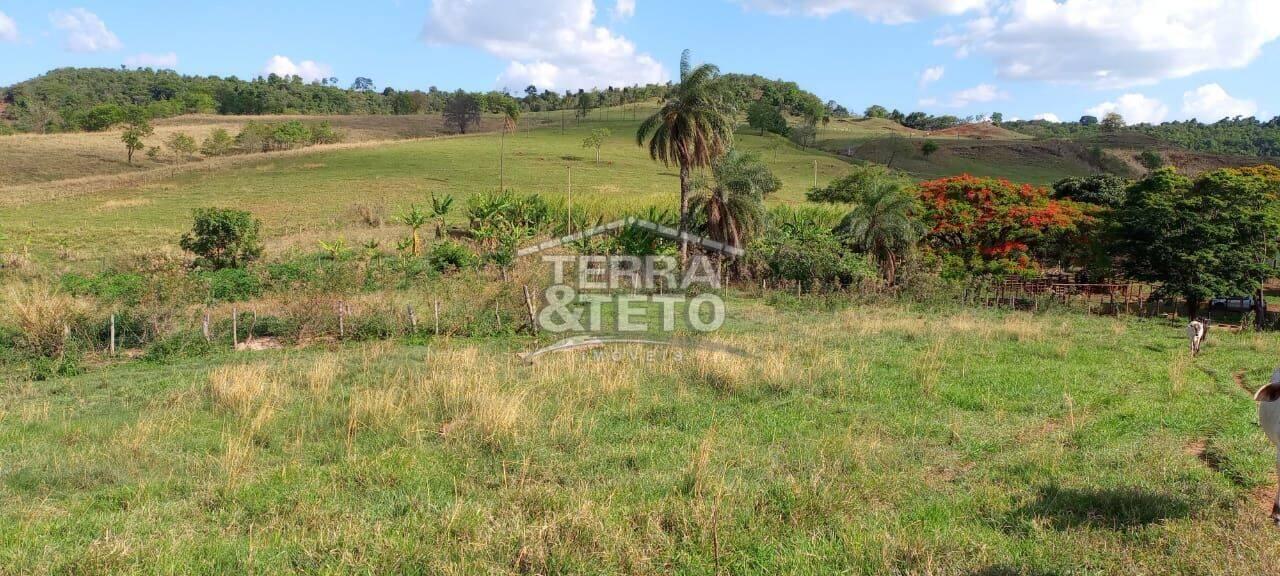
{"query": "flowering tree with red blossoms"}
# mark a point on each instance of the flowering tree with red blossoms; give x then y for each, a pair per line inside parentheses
(990, 225)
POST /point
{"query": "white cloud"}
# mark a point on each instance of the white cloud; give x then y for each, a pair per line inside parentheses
(1136, 109)
(886, 11)
(1118, 43)
(1047, 117)
(624, 9)
(1210, 103)
(931, 75)
(308, 70)
(85, 31)
(8, 29)
(977, 95)
(168, 60)
(552, 44)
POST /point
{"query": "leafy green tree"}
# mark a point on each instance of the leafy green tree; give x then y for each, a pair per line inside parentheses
(1106, 190)
(101, 117)
(181, 144)
(997, 118)
(1151, 160)
(1088, 120)
(766, 117)
(134, 133)
(1200, 239)
(876, 111)
(693, 128)
(461, 111)
(1112, 121)
(596, 140)
(223, 238)
(928, 148)
(849, 188)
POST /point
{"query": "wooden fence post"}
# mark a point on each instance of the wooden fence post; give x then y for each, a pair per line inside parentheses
(413, 319)
(533, 316)
(204, 327)
(437, 316)
(342, 321)
(113, 335)
(235, 327)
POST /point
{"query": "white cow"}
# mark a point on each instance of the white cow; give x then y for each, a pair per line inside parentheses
(1196, 331)
(1268, 399)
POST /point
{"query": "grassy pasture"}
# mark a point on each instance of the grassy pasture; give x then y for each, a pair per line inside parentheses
(856, 439)
(305, 196)
(35, 158)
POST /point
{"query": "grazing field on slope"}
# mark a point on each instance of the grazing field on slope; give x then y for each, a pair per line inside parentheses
(856, 439)
(31, 158)
(1036, 162)
(304, 197)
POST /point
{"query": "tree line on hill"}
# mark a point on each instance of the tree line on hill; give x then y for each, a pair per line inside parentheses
(72, 99)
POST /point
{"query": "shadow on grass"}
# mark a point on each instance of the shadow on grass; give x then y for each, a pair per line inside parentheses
(999, 570)
(1114, 508)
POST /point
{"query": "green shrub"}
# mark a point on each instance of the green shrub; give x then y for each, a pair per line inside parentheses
(806, 254)
(323, 133)
(117, 287)
(100, 117)
(178, 344)
(232, 284)
(289, 135)
(218, 143)
(449, 256)
(223, 238)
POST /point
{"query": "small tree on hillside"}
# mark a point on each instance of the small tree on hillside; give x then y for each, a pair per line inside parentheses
(1112, 121)
(223, 238)
(134, 133)
(218, 143)
(766, 117)
(181, 144)
(1151, 160)
(1198, 239)
(596, 140)
(461, 111)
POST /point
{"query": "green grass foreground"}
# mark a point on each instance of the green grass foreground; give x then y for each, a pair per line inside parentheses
(857, 439)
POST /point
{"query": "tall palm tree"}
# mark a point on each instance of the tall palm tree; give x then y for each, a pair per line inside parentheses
(510, 119)
(884, 223)
(693, 128)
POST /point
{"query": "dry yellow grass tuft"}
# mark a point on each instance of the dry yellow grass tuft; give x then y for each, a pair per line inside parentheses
(244, 389)
(45, 318)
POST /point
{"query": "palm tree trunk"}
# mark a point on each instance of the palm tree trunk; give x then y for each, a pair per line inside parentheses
(684, 211)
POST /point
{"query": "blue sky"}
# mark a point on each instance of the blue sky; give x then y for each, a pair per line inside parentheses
(1149, 59)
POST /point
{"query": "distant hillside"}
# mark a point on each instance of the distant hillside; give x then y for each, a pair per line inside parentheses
(1238, 136)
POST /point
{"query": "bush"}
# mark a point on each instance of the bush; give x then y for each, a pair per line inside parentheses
(223, 238)
(289, 135)
(232, 284)
(928, 148)
(322, 133)
(101, 117)
(218, 143)
(806, 253)
(181, 144)
(449, 255)
(1151, 160)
